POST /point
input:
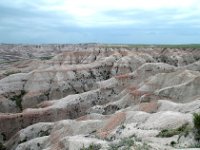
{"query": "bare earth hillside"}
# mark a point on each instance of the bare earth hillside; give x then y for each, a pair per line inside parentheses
(71, 97)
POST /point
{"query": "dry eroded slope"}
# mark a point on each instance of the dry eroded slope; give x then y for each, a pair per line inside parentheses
(99, 95)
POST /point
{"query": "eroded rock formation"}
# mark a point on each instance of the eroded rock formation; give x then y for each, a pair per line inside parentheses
(95, 94)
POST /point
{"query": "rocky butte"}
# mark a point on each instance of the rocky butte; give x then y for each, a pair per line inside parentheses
(98, 97)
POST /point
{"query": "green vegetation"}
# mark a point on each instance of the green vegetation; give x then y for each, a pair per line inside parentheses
(180, 46)
(46, 57)
(22, 141)
(44, 133)
(153, 45)
(11, 72)
(3, 136)
(18, 99)
(123, 144)
(129, 143)
(92, 147)
(122, 127)
(184, 129)
(143, 146)
(196, 121)
(7, 62)
(173, 143)
(2, 147)
(195, 146)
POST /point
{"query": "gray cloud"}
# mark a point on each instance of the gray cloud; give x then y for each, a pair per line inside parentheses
(26, 22)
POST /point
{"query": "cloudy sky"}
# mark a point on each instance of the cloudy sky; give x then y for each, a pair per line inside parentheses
(100, 21)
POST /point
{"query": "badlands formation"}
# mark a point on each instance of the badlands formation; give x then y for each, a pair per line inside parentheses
(89, 96)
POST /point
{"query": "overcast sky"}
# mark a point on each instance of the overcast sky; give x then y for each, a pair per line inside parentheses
(100, 21)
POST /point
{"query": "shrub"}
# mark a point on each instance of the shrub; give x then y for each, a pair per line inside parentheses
(11, 72)
(196, 121)
(44, 133)
(2, 147)
(184, 129)
(46, 57)
(172, 143)
(123, 144)
(197, 145)
(92, 147)
(144, 146)
(18, 99)
(128, 142)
